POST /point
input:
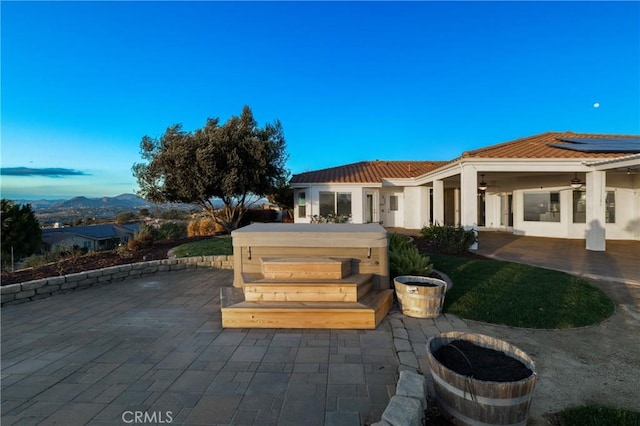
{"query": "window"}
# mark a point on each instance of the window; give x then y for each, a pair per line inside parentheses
(344, 204)
(335, 203)
(302, 204)
(542, 206)
(327, 203)
(393, 203)
(610, 207)
(579, 207)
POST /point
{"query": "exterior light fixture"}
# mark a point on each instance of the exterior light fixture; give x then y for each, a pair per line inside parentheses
(482, 186)
(575, 182)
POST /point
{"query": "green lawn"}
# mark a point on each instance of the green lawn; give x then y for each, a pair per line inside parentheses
(520, 295)
(214, 246)
(597, 416)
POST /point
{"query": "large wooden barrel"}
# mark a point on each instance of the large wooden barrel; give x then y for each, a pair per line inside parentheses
(477, 402)
(420, 297)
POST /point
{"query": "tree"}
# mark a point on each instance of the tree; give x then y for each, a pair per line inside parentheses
(125, 217)
(20, 231)
(237, 162)
(282, 196)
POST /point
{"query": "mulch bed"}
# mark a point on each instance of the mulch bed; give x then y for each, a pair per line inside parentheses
(485, 364)
(97, 260)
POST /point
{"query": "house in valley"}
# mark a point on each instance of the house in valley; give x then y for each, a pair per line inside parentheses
(554, 184)
(92, 237)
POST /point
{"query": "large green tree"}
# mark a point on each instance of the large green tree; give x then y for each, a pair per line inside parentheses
(237, 162)
(20, 231)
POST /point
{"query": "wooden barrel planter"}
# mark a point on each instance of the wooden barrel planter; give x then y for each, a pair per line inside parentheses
(470, 401)
(420, 297)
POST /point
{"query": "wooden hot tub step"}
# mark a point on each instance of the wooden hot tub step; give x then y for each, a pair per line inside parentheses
(306, 267)
(366, 314)
(348, 289)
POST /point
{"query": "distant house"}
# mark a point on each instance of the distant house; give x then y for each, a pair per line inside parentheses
(93, 238)
(563, 185)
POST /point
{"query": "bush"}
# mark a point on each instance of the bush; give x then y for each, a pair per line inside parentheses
(172, 230)
(144, 238)
(258, 215)
(51, 257)
(204, 226)
(449, 239)
(330, 218)
(405, 259)
(127, 217)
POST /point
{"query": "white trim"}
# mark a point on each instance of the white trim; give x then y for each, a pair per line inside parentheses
(628, 161)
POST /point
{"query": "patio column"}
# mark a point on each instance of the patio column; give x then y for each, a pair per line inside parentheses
(469, 200)
(596, 195)
(438, 202)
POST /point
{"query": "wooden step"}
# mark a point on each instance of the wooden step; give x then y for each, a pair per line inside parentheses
(366, 314)
(331, 268)
(348, 289)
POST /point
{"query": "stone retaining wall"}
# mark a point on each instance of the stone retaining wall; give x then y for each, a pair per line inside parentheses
(40, 289)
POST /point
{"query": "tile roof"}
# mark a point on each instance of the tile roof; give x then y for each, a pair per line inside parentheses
(368, 172)
(540, 146)
(94, 232)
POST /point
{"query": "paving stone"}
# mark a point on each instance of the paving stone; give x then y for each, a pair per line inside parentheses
(314, 354)
(62, 392)
(257, 402)
(268, 384)
(280, 354)
(403, 411)
(359, 404)
(342, 418)
(346, 374)
(74, 413)
(244, 417)
(213, 409)
(402, 345)
(413, 385)
(408, 358)
(249, 353)
(302, 411)
(192, 381)
(286, 340)
(400, 333)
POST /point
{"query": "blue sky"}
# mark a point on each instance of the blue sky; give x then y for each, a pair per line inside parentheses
(83, 82)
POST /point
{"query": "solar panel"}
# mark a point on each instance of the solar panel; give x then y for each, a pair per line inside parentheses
(627, 145)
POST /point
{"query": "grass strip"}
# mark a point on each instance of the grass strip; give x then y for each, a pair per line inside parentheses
(520, 295)
(214, 246)
(593, 415)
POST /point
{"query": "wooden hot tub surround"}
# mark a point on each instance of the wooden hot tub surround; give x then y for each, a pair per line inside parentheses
(308, 276)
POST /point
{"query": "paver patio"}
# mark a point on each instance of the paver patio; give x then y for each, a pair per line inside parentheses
(155, 345)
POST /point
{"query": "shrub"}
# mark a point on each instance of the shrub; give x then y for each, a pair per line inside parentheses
(171, 230)
(331, 218)
(405, 259)
(144, 238)
(126, 217)
(258, 215)
(449, 239)
(192, 228)
(204, 226)
(51, 257)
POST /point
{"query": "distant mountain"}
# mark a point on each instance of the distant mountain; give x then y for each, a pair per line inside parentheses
(38, 204)
(123, 200)
(120, 202)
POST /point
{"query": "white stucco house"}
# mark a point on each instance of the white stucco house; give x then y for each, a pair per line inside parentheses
(554, 184)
